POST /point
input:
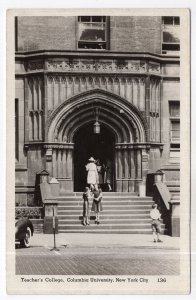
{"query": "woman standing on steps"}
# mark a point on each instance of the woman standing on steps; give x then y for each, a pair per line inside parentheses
(92, 176)
(97, 205)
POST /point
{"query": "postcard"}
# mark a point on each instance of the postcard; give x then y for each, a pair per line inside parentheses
(98, 151)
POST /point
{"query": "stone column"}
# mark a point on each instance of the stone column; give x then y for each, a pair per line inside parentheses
(54, 163)
(59, 163)
(126, 170)
(64, 163)
(63, 186)
(118, 168)
(49, 161)
(66, 182)
(139, 164)
(40, 125)
(36, 125)
(145, 163)
(27, 107)
(135, 92)
(147, 93)
(44, 106)
(132, 170)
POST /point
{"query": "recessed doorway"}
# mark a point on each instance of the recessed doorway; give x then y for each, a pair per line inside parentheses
(87, 144)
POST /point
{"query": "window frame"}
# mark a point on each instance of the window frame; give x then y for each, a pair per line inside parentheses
(174, 144)
(106, 42)
(169, 52)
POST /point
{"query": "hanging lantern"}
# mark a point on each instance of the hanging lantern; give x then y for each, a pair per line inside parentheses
(96, 125)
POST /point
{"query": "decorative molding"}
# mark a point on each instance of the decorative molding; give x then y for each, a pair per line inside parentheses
(100, 65)
(104, 98)
(146, 146)
(154, 114)
(36, 111)
(33, 65)
(154, 67)
(59, 146)
(48, 146)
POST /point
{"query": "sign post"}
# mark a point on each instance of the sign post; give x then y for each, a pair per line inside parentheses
(53, 226)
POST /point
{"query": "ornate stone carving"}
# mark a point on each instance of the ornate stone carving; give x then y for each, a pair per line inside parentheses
(87, 65)
(101, 65)
(135, 66)
(35, 65)
(104, 66)
(154, 67)
(154, 114)
(121, 65)
(142, 66)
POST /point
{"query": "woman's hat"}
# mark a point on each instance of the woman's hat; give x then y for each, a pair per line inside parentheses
(91, 159)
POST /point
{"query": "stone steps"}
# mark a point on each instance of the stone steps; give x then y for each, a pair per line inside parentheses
(110, 226)
(133, 211)
(122, 213)
(116, 217)
(106, 203)
(105, 221)
(108, 231)
(107, 208)
(105, 194)
(106, 198)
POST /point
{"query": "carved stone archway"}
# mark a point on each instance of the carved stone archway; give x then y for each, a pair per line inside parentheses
(115, 113)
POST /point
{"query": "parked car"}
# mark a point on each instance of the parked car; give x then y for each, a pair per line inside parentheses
(23, 232)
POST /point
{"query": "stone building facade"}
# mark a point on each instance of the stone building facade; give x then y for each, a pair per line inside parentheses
(123, 72)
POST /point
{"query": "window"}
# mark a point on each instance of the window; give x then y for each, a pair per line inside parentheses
(174, 111)
(170, 35)
(16, 131)
(92, 32)
(175, 132)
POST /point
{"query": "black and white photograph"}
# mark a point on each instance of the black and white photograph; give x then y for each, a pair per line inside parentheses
(99, 128)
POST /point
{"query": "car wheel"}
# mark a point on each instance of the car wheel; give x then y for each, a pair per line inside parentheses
(26, 241)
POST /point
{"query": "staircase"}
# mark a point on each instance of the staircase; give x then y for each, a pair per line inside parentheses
(122, 213)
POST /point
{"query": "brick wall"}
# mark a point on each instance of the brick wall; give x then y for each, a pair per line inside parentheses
(135, 34)
(39, 33)
(129, 34)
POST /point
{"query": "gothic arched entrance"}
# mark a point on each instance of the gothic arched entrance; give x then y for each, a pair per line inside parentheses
(86, 144)
(124, 134)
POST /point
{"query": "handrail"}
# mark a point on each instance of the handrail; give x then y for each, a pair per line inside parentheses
(164, 193)
(162, 197)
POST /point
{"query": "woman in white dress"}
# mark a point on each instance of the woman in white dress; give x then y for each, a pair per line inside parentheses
(92, 176)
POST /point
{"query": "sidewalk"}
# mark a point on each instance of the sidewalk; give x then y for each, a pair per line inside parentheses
(75, 240)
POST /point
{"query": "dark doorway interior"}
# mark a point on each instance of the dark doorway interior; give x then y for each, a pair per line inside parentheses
(87, 144)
